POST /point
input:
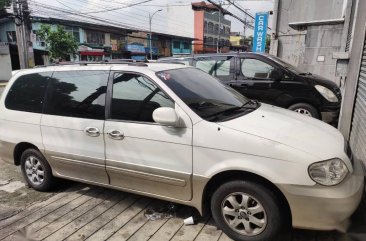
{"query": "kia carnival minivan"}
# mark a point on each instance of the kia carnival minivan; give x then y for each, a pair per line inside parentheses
(270, 80)
(176, 133)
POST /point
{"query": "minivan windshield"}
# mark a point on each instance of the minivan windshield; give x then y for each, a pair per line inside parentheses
(205, 95)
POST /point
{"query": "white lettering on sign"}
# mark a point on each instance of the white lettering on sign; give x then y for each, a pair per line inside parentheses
(260, 33)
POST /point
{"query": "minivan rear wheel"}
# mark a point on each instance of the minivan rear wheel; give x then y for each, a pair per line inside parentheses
(305, 109)
(36, 170)
(247, 211)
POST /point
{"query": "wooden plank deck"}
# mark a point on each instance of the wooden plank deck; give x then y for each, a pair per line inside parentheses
(91, 213)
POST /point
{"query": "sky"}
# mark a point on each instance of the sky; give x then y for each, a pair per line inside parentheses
(134, 13)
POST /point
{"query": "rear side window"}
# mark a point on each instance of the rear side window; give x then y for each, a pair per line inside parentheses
(78, 94)
(216, 67)
(28, 93)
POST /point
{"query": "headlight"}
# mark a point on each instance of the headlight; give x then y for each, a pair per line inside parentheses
(326, 93)
(328, 173)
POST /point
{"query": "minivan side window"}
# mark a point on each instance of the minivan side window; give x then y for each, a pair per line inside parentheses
(78, 94)
(254, 68)
(28, 93)
(135, 98)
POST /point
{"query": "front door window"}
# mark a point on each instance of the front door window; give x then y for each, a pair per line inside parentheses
(256, 69)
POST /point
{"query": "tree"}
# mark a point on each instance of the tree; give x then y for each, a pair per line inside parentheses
(3, 5)
(60, 43)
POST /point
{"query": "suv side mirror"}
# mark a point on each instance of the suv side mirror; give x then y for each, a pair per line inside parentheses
(276, 75)
(166, 116)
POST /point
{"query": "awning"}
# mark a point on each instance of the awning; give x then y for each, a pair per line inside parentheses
(91, 53)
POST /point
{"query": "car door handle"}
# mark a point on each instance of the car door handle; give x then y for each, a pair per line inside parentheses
(92, 131)
(116, 134)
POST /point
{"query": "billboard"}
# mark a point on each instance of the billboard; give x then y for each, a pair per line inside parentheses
(260, 32)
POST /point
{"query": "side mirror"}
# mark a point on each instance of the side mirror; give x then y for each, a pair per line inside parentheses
(276, 75)
(166, 116)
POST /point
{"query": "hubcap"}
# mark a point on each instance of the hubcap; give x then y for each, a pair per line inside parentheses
(244, 214)
(34, 170)
(303, 111)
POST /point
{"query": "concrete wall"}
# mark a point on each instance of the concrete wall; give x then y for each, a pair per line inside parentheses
(180, 20)
(311, 47)
(4, 27)
(5, 67)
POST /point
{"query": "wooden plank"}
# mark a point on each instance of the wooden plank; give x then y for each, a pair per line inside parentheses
(189, 232)
(98, 222)
(49, 218)
(168, 230)
(132, 226)
(148, 230)
(32, 228)
(36, 206)
(10, 229)
(84, 219)
(210, 232)
(119, 221)
(224, 237)
(71, 216)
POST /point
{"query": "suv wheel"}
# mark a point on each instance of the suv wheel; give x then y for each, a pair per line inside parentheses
(36, 170)
(247, 211)
(305, 109)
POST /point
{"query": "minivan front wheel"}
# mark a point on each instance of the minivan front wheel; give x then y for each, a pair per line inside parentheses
(247, 211)
(305, 109)
(36, 170)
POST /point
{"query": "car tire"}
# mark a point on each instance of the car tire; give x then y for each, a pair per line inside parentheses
(263, 208)
(305, 109)
(36, 170)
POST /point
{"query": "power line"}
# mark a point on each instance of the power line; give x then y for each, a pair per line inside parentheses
(114, 23)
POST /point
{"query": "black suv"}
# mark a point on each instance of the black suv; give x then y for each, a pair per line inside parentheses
(271, 80)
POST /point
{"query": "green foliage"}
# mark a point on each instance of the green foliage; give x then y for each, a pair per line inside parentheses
(60, 43)
(4, 4)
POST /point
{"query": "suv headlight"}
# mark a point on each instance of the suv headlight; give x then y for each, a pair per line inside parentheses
(328, 173)
(326, 93)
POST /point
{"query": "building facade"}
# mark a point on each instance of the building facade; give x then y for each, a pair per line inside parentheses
(312, 35)
(202, 24)
(96, 42)
(211, 29)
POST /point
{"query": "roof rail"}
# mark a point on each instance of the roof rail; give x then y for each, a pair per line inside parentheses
(131, 63)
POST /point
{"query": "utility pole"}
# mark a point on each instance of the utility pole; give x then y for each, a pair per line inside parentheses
(150, 37)
(245, 25)
(218, 42)
(23, 30)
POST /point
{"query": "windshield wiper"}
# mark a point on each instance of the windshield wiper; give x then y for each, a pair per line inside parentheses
(226, 111)
(307, 73)
(250, 102)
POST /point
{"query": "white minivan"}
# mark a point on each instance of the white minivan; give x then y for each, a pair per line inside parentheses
(176, 133)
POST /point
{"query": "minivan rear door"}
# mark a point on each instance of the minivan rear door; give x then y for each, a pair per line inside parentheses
(73, 121)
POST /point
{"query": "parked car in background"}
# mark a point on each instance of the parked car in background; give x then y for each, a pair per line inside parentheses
(176, 133)
(270, 80)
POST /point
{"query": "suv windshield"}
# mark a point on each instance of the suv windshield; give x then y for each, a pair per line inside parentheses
(205, 95)
(285, 64)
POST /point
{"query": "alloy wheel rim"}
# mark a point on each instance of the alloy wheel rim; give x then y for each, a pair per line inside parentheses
(303, 111)
(34, 170)
(244, 214)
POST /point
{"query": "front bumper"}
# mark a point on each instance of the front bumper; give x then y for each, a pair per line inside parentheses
(325, 208)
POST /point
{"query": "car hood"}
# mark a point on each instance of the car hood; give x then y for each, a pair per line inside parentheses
(319, 80)
(291, 129)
